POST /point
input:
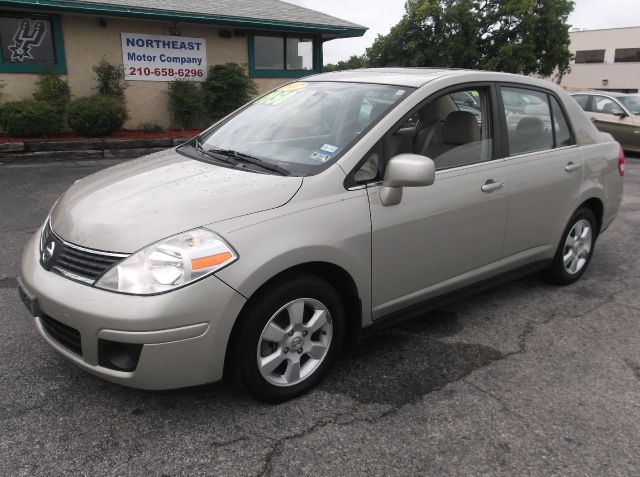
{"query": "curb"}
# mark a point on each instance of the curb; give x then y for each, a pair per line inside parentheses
(47, 151)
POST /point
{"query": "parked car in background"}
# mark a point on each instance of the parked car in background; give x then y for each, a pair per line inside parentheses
(615, 113)
(317, 212)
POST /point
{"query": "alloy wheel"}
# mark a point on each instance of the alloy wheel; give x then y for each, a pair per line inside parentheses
(577, 247)
(294, 342)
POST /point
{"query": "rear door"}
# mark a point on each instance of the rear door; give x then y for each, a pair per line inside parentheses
(544, 173)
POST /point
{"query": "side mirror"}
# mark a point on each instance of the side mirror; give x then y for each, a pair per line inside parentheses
(620, 113)
(405, 170)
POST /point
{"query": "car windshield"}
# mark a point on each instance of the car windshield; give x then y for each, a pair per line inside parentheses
(632, 103)
(303, 127)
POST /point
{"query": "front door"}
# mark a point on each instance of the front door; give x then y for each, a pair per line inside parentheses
(605, 114)
(441, 236)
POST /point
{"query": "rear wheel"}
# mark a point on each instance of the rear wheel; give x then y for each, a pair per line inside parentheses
(288, 338)
(576, 248)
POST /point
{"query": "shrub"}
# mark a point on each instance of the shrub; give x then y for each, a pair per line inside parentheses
(30, 118)
(96, 115)
(152, 128)
(109, 78)
(186, 103)
(226, 88)
(52, 89)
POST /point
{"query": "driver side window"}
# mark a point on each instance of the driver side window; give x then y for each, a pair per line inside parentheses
(604, 105)
(453, 130)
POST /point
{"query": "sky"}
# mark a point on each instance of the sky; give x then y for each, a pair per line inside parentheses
(381, 15)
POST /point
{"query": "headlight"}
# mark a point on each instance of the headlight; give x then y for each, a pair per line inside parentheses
(170, 263)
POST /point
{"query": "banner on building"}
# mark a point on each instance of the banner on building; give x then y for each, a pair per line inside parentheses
(163, 58)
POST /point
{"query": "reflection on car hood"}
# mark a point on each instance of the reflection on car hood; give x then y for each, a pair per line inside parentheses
(129, 206)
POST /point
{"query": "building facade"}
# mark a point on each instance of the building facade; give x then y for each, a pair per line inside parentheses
(606, 60)
(157, 42)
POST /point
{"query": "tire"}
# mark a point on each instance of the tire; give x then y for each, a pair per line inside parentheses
(282, 326)
(566, 268)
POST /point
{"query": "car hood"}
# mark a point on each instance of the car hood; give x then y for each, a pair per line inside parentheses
(129, 206)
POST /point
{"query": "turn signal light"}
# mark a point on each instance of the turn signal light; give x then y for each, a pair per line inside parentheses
(210, 261)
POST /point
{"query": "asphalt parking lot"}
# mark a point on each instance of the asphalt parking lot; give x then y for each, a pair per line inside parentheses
(526, 379)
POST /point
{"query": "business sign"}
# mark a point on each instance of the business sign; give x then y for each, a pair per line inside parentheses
(163, 58)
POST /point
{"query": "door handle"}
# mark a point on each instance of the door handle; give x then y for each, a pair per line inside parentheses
(593, 119)
(571, 166)
(491, 185)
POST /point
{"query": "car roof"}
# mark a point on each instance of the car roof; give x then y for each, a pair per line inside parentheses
(414, 77)
(614, 94)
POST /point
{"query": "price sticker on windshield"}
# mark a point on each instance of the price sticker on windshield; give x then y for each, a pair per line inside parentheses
(281, 95)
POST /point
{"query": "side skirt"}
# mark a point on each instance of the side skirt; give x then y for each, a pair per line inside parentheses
(419, 309)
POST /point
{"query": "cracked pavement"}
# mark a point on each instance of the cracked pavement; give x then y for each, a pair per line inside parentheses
(525, 379)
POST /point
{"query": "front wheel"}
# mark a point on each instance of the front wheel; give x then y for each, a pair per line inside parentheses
(288, 338)
(576, 248)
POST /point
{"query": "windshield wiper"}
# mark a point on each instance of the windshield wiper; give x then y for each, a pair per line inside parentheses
(256, 161)
(213, 154)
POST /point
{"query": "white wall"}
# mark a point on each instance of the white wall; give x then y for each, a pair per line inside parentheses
(593, 75)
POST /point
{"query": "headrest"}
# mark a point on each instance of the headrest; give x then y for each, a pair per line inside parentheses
(461, 127)
(376, 111)
(434, 111)
(608, 108)
(530, 126)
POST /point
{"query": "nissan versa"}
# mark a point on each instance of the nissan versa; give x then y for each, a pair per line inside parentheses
(298, 223)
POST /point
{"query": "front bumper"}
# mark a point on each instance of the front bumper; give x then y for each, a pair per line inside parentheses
(184, 333)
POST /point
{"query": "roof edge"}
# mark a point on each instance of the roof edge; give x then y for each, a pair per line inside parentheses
(334, 31)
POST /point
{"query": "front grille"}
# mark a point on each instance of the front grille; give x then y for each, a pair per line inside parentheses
(74, 262)
(64, 335)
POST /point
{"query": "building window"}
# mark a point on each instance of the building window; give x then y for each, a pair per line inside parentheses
(590, 56)
(31, 43)
(283, 55)
(627, 55)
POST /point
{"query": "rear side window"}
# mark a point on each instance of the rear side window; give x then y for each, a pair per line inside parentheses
(561, 129)
(528, 118)
(535, 121)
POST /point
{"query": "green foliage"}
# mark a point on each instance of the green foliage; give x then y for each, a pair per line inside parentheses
(516, 36)
(109, 78)
(30, 118)
(352, 63)
(226, 88)
(52, 89)
(96, 115)
(152, 128)
(186, 103)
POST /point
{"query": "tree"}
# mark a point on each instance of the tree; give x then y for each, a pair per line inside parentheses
(353, 63)
(515, 36)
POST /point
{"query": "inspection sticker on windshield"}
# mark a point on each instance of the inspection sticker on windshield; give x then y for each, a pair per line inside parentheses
(330, 148)
(318, 156)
